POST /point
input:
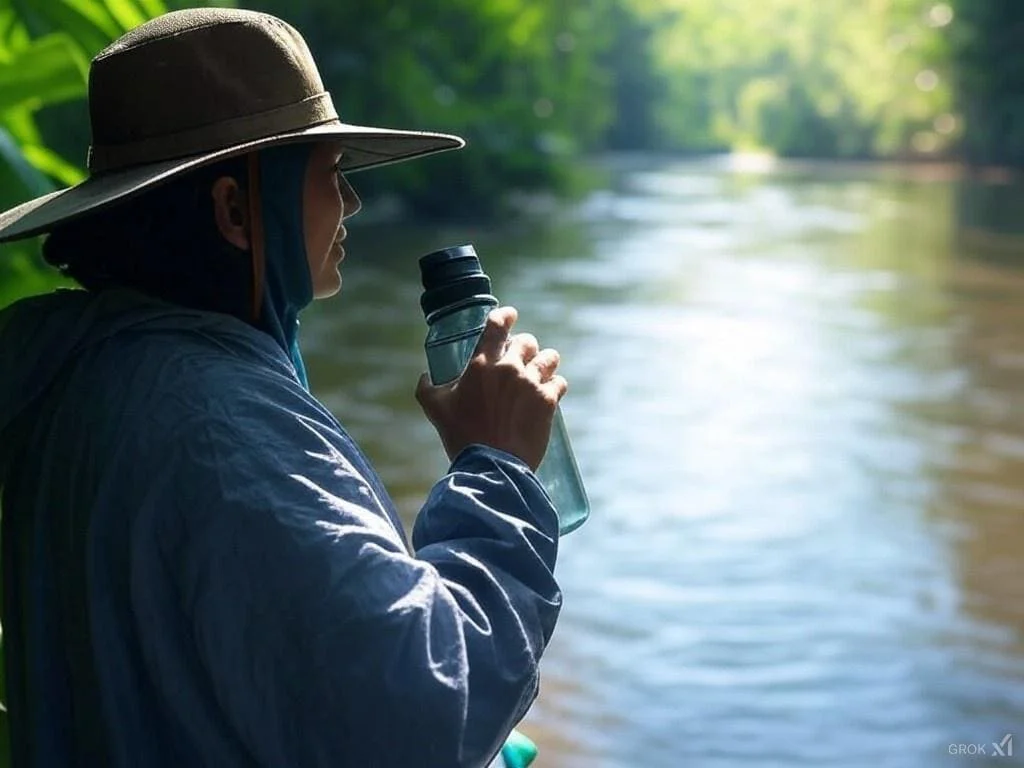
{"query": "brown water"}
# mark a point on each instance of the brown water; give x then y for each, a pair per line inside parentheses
(797, 398)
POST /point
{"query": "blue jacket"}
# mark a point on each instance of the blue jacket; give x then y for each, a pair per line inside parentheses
(201, 568)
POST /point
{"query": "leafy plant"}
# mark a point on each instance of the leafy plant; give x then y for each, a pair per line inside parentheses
(45, 48)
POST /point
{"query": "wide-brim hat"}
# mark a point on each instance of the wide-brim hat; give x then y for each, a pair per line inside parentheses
(196, 86)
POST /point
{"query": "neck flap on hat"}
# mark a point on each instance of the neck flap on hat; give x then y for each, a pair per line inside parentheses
(282, 283)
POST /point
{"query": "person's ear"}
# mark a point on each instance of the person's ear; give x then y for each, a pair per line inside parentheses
(231, 211)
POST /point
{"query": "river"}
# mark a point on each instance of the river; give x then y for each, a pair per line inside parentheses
(797, 400)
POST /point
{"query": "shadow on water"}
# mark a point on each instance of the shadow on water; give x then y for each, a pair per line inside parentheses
(797, 398)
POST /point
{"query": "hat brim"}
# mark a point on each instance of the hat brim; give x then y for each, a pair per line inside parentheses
(363, 147)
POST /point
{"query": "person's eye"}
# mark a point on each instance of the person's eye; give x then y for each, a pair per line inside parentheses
(336, 174)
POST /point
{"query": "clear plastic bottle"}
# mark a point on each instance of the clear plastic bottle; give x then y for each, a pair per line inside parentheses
(456, 301)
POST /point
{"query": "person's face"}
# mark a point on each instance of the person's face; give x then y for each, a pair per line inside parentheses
(323, 208)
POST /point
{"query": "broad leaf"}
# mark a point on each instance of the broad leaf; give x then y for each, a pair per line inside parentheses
(152, 8)
(50, 70)
(52, 164)
(92, 36)
(127, 14)
(21, 124)
(13, 35)
(19, 179)
(97, 13)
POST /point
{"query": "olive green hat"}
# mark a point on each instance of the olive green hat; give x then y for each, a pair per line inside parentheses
(195, 86)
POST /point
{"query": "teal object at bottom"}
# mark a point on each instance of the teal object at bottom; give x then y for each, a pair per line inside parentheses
(519, 751)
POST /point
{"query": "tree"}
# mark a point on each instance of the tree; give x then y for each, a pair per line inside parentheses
(988, 63)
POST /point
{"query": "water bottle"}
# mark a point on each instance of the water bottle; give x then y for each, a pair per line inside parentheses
(456, 301)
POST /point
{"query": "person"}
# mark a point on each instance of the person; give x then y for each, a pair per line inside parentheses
(201, 568)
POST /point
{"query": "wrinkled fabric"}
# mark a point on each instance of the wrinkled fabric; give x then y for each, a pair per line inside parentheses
(172, 494)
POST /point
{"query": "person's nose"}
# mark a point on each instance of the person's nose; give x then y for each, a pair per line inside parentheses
(349, 199)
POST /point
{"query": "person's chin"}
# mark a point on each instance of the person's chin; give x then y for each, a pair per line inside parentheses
(328, 286)
(327, 291)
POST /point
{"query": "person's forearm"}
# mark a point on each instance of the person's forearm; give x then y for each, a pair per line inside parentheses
(491, 532)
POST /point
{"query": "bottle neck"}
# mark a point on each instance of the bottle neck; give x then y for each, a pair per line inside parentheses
(482, 302)
(452, 335)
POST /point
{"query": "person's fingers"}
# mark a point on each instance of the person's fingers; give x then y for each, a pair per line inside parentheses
(543, 365)
(423, 387)
(495, 334)
(522, 348)
(555, 388)
(427, 392)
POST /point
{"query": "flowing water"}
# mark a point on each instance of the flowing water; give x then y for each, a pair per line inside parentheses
(797, 399)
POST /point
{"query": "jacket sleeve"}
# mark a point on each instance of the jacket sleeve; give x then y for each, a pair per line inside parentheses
(326, 641)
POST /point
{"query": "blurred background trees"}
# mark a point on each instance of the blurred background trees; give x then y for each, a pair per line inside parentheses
(525, 81)
(536, 85)
(987, 57)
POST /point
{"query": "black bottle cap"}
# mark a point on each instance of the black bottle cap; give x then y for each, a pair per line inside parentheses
(451, 275)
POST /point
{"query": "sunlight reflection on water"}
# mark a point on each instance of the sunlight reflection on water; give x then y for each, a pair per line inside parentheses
(799, 409)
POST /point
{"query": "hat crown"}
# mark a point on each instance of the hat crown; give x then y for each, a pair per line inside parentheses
(198, 80)
(195, 86)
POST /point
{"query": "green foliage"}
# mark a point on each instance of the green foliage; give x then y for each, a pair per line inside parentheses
(45, 48)
(533, 84)
(988, 63)
(828, 78)
(522, 80)
(49, 69)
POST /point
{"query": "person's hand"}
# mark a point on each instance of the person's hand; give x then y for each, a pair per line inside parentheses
(506, 398)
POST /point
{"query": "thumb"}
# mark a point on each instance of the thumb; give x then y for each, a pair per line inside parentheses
(493, 341)
(427, 392)
(423, 387)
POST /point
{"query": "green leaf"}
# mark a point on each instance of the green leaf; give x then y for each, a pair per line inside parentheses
(52, 164)
(152, 8)
(13, 35)
(19, 179)
(90, 35)
(125, 13)
(7, 22)
(52, 69)
(96, 12)
(20, 123)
